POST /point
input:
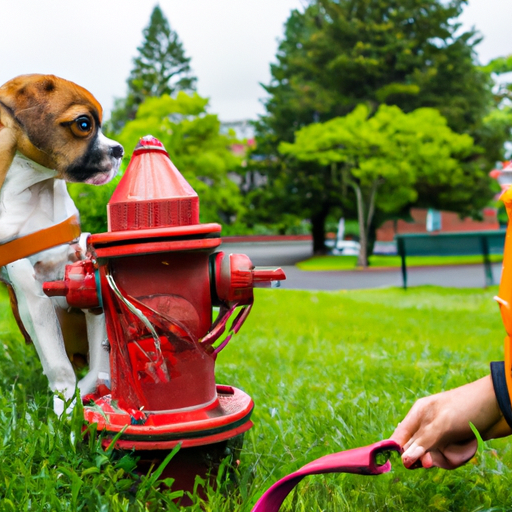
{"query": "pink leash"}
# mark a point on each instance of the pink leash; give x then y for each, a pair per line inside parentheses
(360, 461)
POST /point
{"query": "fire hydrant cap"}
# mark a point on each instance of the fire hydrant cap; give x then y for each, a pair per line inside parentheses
(149, 143)
(152, 193)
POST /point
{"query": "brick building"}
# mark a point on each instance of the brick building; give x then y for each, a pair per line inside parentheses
(434, 221)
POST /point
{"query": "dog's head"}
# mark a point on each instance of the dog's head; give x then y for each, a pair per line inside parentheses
(57, 124)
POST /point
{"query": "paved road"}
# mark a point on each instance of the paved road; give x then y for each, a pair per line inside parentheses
(463, 276)
(286, 254)
(271, 253)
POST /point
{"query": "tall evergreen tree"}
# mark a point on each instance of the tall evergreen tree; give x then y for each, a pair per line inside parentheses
(337, 54)
(160, 67)
(409, 53)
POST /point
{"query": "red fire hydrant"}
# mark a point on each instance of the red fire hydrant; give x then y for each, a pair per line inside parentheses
(157, 278)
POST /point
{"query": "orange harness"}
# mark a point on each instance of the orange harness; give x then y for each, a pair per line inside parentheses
(27, 245)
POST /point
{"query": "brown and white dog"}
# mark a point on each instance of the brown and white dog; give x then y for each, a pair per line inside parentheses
(50, 132)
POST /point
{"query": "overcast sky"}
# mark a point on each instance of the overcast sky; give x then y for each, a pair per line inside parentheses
(231, 43)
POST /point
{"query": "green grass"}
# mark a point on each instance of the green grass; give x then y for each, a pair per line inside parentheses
(328, 371)
(376, 261)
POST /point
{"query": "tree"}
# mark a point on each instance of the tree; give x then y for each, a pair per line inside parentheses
(161, 67)
(337, 54)
(196, 146)
(498, 122)
(387, 156)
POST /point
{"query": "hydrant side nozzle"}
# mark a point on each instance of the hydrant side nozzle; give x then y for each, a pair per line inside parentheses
(264, 275)
(55, 288)
(236, 277)
(78, 286)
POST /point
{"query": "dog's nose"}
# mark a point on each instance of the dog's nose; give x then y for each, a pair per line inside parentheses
(117, 151)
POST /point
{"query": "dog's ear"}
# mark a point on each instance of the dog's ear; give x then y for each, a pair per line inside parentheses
(8, 144)
(21, 102)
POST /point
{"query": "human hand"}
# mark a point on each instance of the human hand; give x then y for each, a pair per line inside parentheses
(436, 430)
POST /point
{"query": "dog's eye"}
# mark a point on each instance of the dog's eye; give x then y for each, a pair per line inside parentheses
(81, 126)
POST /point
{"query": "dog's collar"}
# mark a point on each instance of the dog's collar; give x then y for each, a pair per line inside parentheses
(24, 246)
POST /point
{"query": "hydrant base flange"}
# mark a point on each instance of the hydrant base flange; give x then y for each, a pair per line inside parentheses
(226, 417)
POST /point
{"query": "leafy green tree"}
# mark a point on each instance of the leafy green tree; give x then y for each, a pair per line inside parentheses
(197, 147)
(499, 67)
(498, 122)
(385, 157)
(161, 67)
(337, 54)
(290, 191)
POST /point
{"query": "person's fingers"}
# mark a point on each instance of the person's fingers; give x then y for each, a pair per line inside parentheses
(422, 441)
(412, 454)
(405, 429)
(408, 426)
(436, 459)
(408, 444)
(451, 457)
(426, 461)
(458, 454)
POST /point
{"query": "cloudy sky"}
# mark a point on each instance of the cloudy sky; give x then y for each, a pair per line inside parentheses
(231, 42)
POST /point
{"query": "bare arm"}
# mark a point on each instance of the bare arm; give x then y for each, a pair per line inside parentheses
(436, 430)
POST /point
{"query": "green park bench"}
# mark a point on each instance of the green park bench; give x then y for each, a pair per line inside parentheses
(452, 244)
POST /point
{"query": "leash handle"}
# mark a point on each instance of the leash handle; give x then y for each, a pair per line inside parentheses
(360, 461)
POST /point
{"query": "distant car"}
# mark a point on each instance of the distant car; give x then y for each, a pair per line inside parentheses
(346, 248)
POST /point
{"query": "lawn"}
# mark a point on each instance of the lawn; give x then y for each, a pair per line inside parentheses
(350, 262)
(328, 371)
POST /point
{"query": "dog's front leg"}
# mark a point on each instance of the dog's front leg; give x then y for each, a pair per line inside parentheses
(38, 315)
(99, 363)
